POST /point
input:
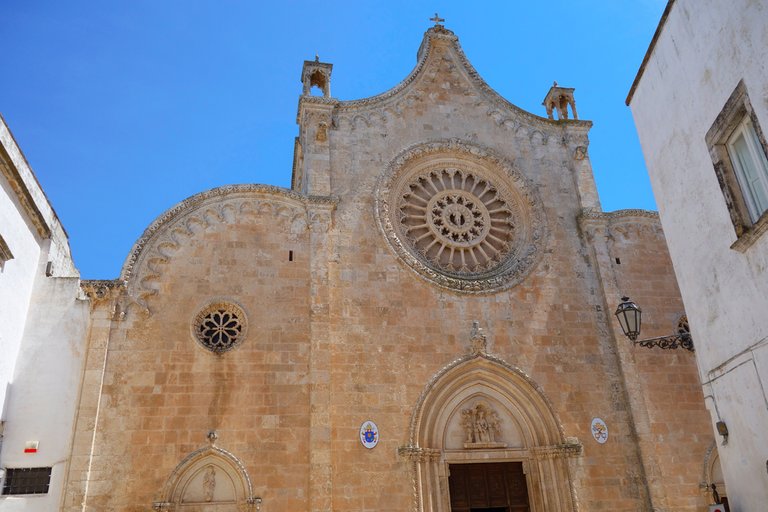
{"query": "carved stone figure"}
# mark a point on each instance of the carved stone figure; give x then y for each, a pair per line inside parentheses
(481, 425)
(209, 483)
(322, 132)
(478, 340)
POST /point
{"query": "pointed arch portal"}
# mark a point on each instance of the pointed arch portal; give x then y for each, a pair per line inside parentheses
(210, 479)
(479, 409)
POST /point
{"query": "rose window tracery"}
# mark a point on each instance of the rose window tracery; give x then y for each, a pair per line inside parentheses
(220, 327)
(460, 216)
(456, 220)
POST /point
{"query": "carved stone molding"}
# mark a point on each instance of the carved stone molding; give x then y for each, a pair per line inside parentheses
(101, 290)
(418, 454)
(464, 360)
(470, 385)
(163, 238)
(627, 223)
(572, 448)
(214, 463)
(460, 216)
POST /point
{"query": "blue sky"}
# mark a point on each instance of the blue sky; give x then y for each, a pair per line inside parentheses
(125, 108)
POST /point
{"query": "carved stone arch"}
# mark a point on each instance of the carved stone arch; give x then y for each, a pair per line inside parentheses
(713, 473)
(528, 431)
(211, 478)
(153, 251)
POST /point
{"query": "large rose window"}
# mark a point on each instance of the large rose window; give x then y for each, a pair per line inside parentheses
(460, 216)
(456, 220)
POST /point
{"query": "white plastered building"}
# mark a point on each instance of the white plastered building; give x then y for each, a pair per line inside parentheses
(42, 333)
(700, 103)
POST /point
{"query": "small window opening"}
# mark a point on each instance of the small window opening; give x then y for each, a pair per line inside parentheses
(317, 83)
(618, 261)
(290, 255)
(26, 481)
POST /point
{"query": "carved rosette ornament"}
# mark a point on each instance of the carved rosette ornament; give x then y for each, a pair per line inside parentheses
(460, 216)
(220, 327)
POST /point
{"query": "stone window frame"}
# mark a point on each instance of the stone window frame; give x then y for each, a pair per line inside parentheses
(221, 305)
(5, 252)
(736, 111)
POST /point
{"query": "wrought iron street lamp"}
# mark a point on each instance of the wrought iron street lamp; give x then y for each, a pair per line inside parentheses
(630, 317)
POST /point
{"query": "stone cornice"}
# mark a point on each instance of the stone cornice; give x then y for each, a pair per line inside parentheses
(27, 202)
(592, 216)
(308, 102)
(593, 221)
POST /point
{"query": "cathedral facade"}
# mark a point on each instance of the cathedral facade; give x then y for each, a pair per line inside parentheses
(423, 322)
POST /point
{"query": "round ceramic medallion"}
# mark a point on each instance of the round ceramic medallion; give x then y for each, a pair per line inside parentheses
(369, 434)
(460, 216)
(219, 327)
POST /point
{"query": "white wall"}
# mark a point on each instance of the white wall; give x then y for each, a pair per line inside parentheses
(42, 331)
(17, 279)
(705, 48)
(45, 388)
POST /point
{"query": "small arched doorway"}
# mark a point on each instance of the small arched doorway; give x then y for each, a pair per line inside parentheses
(209, 479)
(713, 476)
(483, 425)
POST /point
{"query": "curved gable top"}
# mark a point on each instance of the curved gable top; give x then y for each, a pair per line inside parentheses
(213, 198)
(433, 38)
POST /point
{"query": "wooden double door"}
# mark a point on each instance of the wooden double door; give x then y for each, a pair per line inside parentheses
(488, 487)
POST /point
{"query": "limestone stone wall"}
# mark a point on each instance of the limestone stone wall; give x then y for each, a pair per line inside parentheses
(351, 318)
(662, 386)
(392, 330)
(160, 391)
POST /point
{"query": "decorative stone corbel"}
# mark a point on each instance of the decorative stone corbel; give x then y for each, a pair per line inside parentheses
(101, 292)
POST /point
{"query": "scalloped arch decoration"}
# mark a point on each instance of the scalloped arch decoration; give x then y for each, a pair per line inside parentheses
(157, 246)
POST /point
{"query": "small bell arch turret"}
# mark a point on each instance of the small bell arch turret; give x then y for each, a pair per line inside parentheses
(316, 74)
(559, 98)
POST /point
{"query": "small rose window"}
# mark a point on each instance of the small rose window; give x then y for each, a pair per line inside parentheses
(220, 327)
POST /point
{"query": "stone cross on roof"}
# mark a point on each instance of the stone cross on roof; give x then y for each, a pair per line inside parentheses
(437, 19)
